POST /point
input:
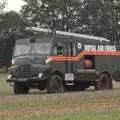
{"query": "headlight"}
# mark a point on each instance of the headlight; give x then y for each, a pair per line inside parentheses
(40, 75)
(9, 76)
(13, 61)
(48, 60)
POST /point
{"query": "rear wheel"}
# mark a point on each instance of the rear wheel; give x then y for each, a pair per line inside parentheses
(20, 89)
(55, 84)
(104, 82)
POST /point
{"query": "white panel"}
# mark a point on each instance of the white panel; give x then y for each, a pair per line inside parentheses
(69, 77)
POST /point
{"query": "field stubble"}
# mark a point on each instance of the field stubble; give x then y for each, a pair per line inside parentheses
(40, 103)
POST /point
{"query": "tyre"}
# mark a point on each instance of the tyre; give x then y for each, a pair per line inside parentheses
(20, 89)
(104, 82)
(55, 85)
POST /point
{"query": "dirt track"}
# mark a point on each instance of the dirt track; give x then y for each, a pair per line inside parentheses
(43, 97)
(90, 92)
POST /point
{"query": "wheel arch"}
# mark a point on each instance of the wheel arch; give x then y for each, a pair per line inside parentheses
(109, 74)
(57, 73)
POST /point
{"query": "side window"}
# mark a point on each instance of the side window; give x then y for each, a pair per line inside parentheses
(74, 50)
(58, 51)
(71, 49)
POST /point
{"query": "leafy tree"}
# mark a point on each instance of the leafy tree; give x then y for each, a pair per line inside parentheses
(100, 18)
(11, 28)
(55, 14)
(96, 17)
(2, 5)
(12, 21)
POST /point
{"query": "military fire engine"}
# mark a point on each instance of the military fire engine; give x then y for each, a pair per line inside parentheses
(63, 61)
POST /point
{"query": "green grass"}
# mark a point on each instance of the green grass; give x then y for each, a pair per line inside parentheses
(89, 105)
(4, 88)
(94, 115)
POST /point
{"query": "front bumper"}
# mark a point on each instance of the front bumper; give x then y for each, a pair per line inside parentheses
(29, 82)
(31, 79)
(23, 79)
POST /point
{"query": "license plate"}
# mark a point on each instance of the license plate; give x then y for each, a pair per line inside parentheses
(69, 77)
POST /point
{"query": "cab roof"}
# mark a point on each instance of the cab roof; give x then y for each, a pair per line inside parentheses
(44, 35)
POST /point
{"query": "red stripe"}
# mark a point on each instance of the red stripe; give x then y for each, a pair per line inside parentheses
(78, 57)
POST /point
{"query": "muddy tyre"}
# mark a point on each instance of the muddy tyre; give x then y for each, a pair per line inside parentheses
(20, 89)
(104, 82)
(55, 85)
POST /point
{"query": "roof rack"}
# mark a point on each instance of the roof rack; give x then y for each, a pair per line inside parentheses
(37, 29)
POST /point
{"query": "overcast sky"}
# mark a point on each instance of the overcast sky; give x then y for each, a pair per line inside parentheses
(14, 5)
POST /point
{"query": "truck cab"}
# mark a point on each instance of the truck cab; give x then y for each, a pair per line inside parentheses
(29, 68)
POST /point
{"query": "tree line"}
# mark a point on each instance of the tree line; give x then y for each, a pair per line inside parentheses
(93, 17)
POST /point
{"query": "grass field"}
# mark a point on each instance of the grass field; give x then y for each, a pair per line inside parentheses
(87, 105)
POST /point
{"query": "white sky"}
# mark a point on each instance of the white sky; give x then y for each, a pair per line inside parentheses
(14, 5)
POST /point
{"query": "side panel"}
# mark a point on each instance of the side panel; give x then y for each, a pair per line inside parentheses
(59, 66)
(110, 64)
(79, 64)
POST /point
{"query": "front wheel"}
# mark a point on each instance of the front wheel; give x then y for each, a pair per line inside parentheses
(104, 82)
(55, 84)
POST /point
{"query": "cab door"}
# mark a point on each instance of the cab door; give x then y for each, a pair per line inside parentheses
(58, 50)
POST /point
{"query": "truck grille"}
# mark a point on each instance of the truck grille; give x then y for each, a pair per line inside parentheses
(24, 71)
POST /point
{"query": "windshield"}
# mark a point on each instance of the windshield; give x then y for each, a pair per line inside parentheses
(34, 48)
(21, 49)
(41, 48)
